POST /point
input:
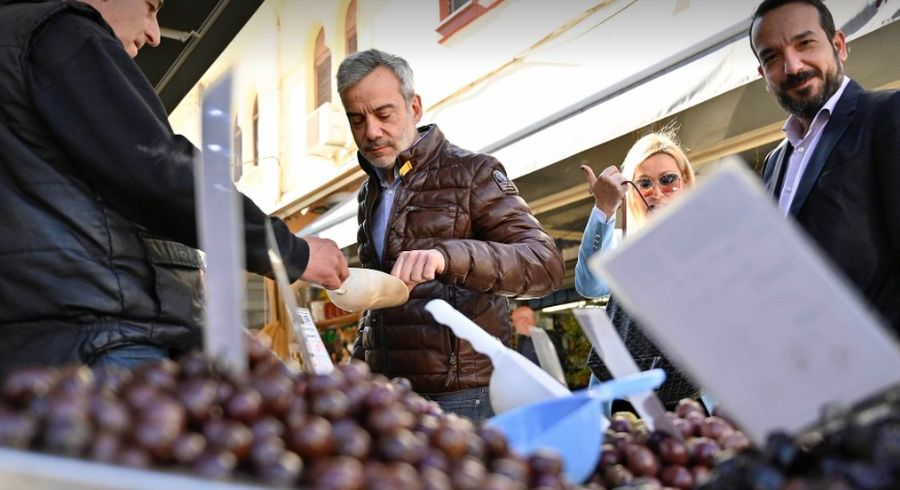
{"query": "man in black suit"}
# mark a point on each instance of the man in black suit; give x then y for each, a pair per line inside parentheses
(838, 171)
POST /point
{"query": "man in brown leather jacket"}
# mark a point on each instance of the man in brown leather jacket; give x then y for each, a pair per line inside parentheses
(446, 221)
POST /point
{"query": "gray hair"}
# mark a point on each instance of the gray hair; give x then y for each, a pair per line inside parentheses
(358, 65)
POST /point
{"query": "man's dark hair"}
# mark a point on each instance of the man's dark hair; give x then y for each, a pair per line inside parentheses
(825, 18)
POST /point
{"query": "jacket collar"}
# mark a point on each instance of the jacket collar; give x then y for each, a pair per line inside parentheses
(837, 125)
(773, 173)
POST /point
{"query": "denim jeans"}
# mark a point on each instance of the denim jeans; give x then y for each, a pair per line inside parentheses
(130, 356)
(474, 404)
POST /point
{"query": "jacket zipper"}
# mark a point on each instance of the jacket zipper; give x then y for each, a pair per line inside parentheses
(374, 316)
(453, 368)
(413, 208)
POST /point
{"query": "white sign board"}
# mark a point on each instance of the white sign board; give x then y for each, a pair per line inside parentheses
(220, 228)
(305, 329)
(740, 299)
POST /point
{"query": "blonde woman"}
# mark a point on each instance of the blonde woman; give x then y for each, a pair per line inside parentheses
(654, 172)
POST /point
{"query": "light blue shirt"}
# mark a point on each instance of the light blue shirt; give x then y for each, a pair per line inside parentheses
(598, 237)
(804, 146)
(383, 210)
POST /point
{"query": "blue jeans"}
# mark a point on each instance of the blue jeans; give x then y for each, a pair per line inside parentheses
(474, 404)
(130, 356)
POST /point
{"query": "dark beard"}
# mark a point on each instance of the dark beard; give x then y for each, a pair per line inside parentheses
(808, 107)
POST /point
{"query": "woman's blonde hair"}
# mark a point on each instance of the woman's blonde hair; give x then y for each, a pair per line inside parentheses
(663, 141)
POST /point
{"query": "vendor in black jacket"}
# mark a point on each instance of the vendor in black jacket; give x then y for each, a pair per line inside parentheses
(97, 226)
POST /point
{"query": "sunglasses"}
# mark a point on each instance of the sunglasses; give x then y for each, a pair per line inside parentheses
(667, 183)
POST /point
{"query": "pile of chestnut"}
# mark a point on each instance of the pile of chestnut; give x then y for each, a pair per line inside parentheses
(346, 430)
(856, 449)
(633, 456)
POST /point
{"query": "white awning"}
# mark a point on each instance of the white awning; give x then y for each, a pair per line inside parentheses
(338, 224)
(695, 74)
(690, 76)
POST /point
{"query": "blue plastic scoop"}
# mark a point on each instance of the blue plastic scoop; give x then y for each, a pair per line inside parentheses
(573, 425)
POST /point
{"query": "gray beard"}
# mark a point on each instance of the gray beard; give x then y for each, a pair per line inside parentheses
(384, 165)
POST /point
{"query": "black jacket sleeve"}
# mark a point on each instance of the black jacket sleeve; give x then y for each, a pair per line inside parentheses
(106, 116)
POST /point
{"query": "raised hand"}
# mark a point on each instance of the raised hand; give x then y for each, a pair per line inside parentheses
(607, 188)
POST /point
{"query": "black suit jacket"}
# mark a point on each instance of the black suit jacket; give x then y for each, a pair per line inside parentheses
(848, 199)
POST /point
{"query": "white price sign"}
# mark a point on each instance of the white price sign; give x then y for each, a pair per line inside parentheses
(739, 298)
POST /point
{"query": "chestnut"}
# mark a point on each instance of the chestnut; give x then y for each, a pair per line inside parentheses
(703, 451)
(198, 397)
(17, 430)
(355, 371)
(267, 426)
(314, 439)
(351, 440)
(514, 468)
(109, 414)
(134, 457)
(468, 473)
(265, 452)
(23, 385)
(401, 445)
(495, 442)
(435, 479)
(68, 437)
(160, 374)
(229, 435)
(188, 448)
(390, 419)
(453, 442)
(546, 461)
(332, 405)
(283, 471)
(641, 461)
(688, 405)
(216, 464)
(276, 391)
(677, 476)
(673, 452)
(105, 448)
(339, 473)
(245, 405)
(714, 427)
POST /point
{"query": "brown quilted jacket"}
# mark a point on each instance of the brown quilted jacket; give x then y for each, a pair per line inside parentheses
(462, 204)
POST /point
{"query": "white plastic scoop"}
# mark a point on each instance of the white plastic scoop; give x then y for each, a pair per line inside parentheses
(365, 289)
(516, 381)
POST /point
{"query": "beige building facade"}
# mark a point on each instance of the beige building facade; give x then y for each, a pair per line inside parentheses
(544, 86)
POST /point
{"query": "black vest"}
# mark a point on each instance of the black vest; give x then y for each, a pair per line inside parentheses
(76, 276)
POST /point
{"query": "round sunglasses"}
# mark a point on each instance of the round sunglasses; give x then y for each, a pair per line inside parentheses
(667, 183)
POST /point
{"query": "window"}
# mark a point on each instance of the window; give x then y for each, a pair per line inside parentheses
(457, 4)
(456, 14)
(256, 307)
(350, 29)
(256, 130)
(237, 163)
(323, 70)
